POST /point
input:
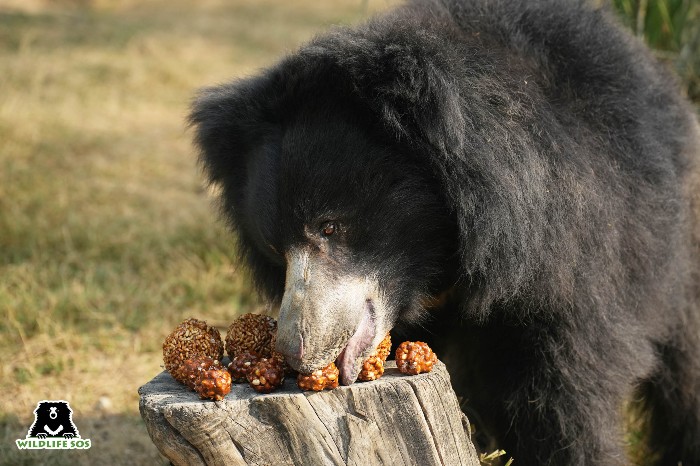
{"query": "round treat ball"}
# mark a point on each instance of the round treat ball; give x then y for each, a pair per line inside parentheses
(414, 357)
(384, 348)
(193, 368)
(250, 332)
(214, 384)
(266, 375)
(372, 368)
(241, 365)
(326, 378)
(189, 339)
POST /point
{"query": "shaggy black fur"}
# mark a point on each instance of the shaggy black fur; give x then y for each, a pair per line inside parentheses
(528, 158)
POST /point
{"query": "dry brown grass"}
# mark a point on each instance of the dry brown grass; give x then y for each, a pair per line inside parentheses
(107, 239)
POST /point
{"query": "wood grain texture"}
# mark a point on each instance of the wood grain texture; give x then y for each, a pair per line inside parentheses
(396, 420)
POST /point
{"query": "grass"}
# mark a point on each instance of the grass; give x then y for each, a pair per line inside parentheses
(107, 238)
(672, 28)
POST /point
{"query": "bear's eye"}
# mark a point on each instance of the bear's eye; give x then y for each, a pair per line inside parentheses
(328, 228)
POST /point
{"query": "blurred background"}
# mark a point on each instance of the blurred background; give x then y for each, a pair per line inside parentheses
(107, 237)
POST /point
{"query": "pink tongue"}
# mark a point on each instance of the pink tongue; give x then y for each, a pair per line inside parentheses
(347, 361)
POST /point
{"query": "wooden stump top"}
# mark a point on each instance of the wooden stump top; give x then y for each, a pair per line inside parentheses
(398, 419)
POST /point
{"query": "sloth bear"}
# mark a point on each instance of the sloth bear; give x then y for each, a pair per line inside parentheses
(517, 181)
(53, 419)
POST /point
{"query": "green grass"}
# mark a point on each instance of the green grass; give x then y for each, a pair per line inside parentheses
(672, 28)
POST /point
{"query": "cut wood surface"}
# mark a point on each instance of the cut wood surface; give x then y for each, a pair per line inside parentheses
(396, 420)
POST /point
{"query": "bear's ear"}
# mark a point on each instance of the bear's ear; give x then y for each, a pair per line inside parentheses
(237, 127)
(232, 122)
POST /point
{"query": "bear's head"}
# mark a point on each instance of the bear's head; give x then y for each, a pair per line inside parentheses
(53, 418)
(339, 215)
(53, 410)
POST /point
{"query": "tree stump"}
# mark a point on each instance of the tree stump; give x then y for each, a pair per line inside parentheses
(398, 419)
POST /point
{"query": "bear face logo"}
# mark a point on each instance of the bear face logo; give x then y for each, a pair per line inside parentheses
(53, 419)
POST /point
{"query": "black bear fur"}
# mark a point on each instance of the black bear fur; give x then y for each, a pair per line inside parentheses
(547, 207)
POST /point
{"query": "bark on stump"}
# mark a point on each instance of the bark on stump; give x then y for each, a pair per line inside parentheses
(396, 420)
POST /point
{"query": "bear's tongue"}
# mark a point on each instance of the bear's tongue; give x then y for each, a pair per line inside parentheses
(349, 360)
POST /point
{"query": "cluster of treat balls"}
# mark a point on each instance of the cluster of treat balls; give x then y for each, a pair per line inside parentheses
(194, 350)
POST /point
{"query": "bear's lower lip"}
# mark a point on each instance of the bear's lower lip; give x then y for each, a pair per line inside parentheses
(349, 361)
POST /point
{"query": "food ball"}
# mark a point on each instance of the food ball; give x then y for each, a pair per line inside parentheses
(241, 365)
(189, 339)
(266, 375)
(214, 384)
(414, 357)
(384, 348)
(372, 368)
(251, 332)
(193, 368)
(326, 378)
